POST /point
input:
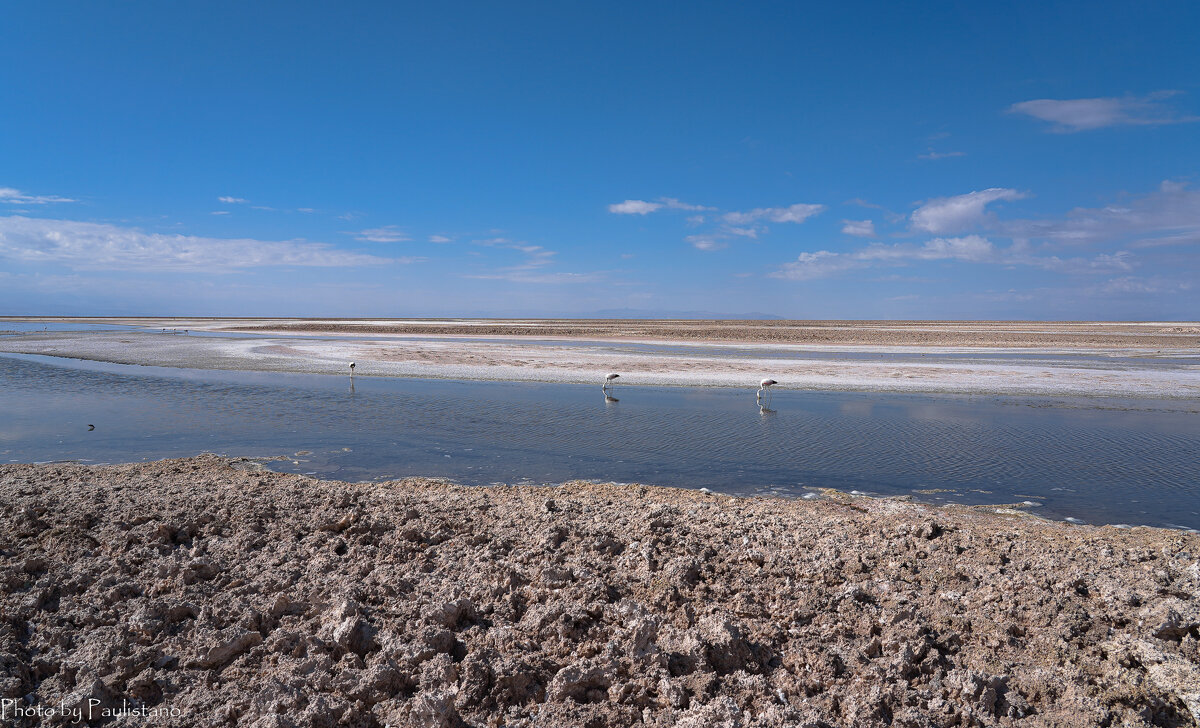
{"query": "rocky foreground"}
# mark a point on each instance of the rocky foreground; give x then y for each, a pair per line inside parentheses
(206, 592)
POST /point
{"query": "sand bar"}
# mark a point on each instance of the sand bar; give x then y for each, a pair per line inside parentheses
(1034, 358)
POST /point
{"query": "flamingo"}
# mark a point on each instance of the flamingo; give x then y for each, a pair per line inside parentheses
(766, 385)
(351, 368)
(610, 379)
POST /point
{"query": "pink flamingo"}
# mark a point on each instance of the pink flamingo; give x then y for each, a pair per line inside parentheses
(766, 385)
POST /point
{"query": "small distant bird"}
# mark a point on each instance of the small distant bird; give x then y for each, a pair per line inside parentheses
(610, 379)
(91, 427)
(765, 385)
(351, 368)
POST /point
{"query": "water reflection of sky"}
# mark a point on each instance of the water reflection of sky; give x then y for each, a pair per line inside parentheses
(1101, 460)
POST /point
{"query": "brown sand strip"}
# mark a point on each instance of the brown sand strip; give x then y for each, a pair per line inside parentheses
(849, 333)
(233, 596)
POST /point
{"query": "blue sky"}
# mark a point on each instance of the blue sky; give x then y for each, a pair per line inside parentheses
(848, 160)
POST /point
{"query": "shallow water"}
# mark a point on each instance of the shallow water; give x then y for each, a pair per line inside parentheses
(17, 328)
(1097, 460)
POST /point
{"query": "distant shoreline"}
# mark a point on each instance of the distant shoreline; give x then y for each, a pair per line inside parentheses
(991, 334)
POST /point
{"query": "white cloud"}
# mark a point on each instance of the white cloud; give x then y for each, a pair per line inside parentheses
(1188, 238)
(232, 200)
(13, 196)
(673, 204)
(385, 234)
(742, 232)
(440, 239)
(86, 245)
(861, 228)
(967, 249)
(722, 228)
(944, 215)
(643, 207)
(634, 207)
(219, 212)
(1072, 115)
(793, 213)
(1151, 285)
(306, 210)
(819, 264)
(705, 242)
(1168, 215)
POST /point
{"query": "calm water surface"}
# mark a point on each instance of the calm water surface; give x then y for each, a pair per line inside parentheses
(1097, 460)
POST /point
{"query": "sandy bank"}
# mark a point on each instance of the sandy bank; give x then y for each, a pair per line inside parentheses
(241, 597)
(990, 334)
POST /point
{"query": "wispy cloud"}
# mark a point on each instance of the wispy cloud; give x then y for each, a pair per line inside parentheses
(1188, 238)
(1148, 285)
(742, 232)
(440, 239)
(219, 212)
(940, 155)
(14, 196)
(518, 276)
(706, 242)
(233, 200)
(967, 249)
(723, 227)
(673, 204)
(532, 269)
(86, 245)
(861, 228)
(635, 207)
(1169, 215)
(892, 217)
(537, 255)
(793, 213)
(385, 234)
(1073, 115)
(960, 213)
(645, 207)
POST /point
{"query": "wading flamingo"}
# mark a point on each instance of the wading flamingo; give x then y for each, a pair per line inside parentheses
(766, 385)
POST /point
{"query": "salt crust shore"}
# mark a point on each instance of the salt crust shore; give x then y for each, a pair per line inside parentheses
(237, 596)
(1124, 360)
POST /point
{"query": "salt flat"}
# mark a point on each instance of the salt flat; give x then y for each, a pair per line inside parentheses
(1142, 359)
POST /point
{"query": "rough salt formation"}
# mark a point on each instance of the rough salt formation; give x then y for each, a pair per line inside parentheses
(238, 597)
